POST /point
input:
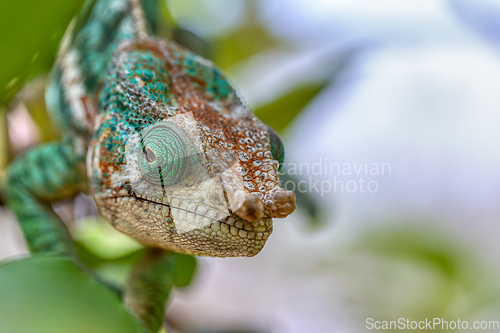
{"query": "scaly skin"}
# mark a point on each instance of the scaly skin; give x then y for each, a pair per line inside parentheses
(160, 138)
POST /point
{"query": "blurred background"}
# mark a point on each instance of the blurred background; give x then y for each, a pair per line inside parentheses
(390, 114)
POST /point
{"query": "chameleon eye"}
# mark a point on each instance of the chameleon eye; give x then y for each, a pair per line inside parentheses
(277, 148)
(167, 153)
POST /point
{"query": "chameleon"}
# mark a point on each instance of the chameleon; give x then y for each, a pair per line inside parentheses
(161, 139)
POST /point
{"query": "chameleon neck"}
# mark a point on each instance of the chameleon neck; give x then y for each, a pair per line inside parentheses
(85, 56)
(102, 26)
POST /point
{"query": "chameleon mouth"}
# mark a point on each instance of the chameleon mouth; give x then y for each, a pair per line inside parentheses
(232, 223)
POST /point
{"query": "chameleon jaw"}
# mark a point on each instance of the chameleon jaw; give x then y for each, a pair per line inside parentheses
(150, 223)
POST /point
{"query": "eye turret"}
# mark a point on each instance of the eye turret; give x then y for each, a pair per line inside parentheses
(277, 148)
(167, 155)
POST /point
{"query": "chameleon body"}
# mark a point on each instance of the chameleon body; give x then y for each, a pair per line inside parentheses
(161, 140)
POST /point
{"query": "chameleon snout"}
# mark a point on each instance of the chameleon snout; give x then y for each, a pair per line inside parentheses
(279, 203)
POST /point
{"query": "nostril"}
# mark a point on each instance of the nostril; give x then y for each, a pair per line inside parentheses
(286, 209)
(252, 209)
(279, 203)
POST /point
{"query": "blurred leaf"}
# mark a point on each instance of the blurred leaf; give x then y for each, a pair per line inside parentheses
(168, 29)
(100, 238)
(111, 253)
(33, 97)
(411, 242)
(250, 39)
(193, 42)
(304, 199)
(153, 13)
(165, 16)
(4, 151)
(51, 295)
(104, 249)
(280, 112)
(184, 269)
(247, 39)
(4, 140)
(112, 270)
(417, 271)
(30, 32)
(166, 24)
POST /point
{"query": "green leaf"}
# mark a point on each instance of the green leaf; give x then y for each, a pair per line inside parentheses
(242, 43)
(417, 269)
(184, 269)
(30, 32)
(104, 241)
(305, 200)
(51, 295)
(4, 145)
(426, 246)
(280, 112)
(193, 42)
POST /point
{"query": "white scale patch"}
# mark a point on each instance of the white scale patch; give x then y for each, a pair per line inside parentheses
(72, 81)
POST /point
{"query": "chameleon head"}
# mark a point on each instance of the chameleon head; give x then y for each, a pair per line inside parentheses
(177, 161)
